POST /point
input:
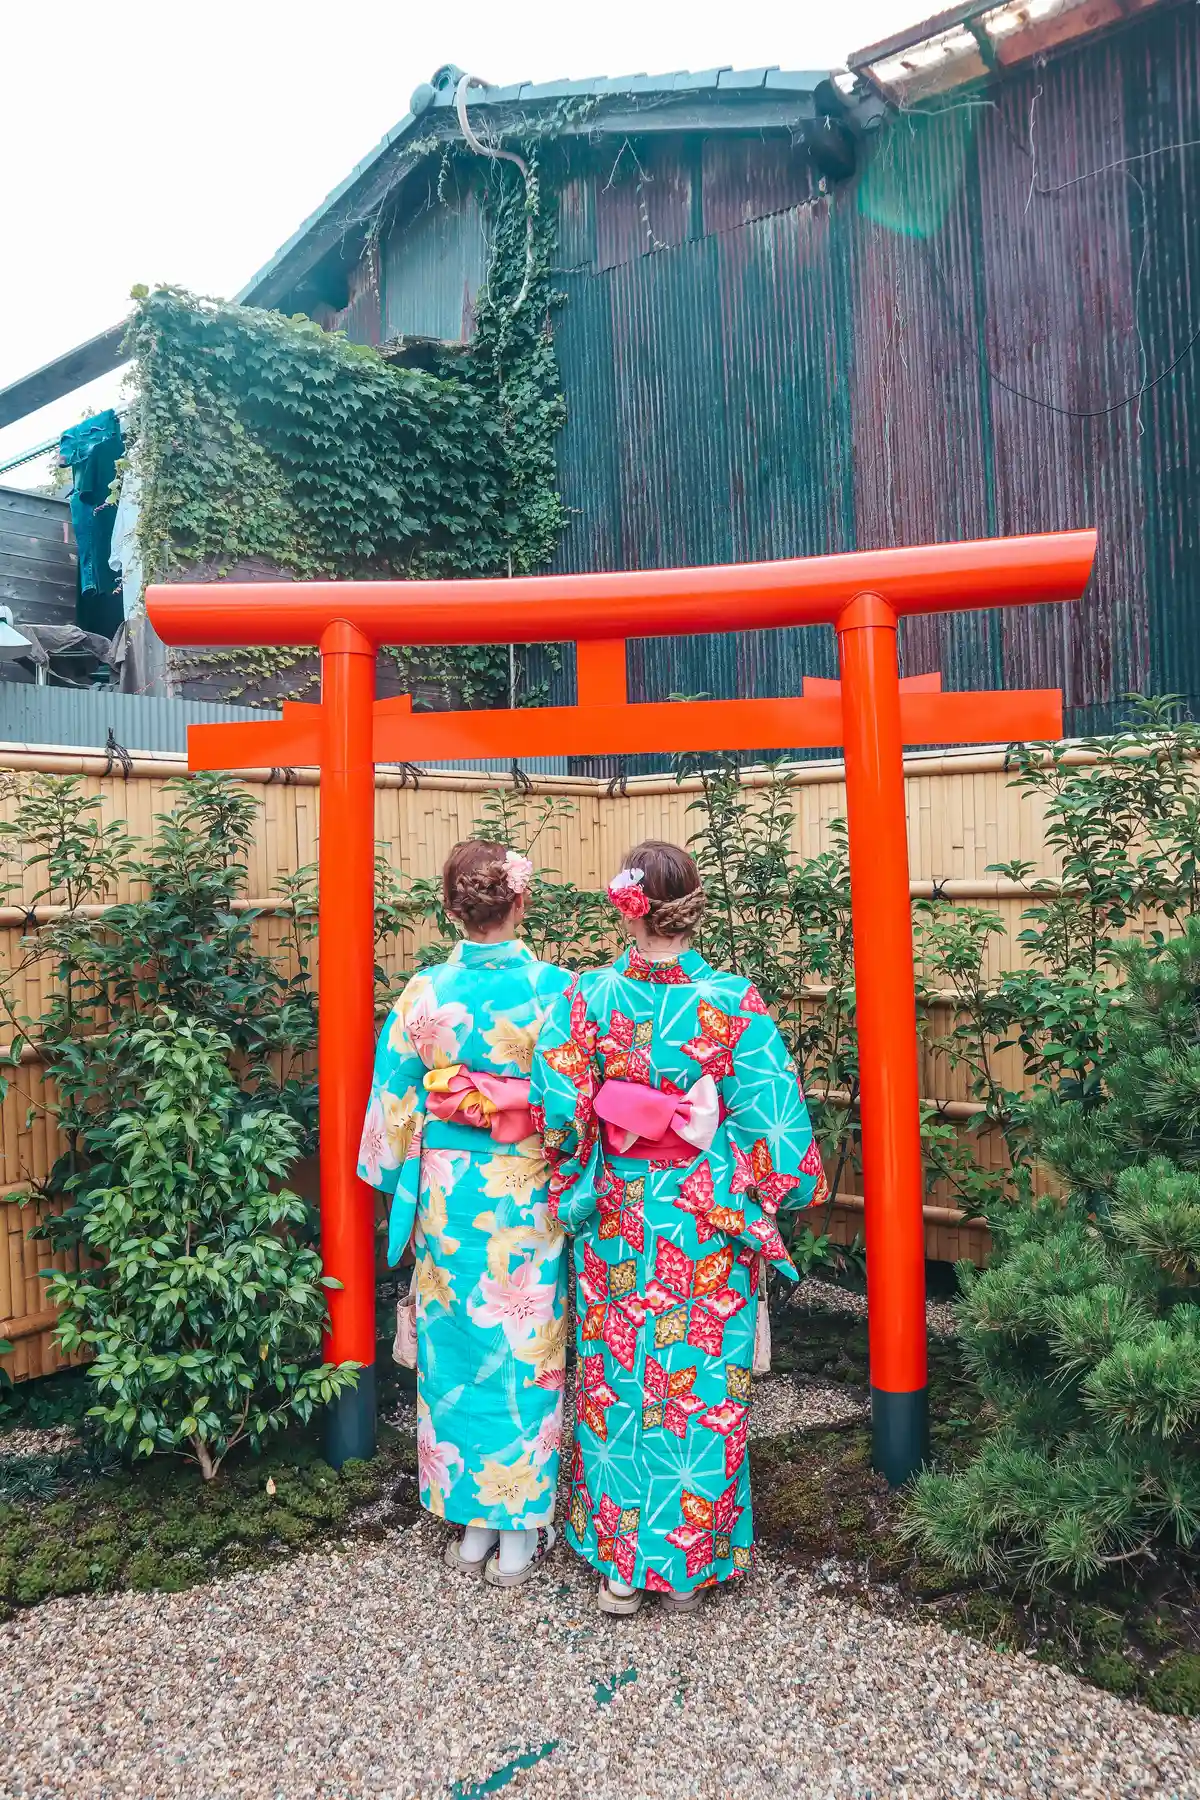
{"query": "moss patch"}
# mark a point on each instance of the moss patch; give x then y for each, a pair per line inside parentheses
(78, 1522)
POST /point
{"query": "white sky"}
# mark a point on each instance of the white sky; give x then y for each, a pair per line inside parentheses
(163, 140)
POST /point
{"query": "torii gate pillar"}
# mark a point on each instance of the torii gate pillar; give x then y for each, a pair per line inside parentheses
(871, 711)
(346, 1029)
(886, 1016)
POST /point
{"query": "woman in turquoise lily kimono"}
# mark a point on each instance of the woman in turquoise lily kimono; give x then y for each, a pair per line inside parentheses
(676, 1128)
(449, 1135)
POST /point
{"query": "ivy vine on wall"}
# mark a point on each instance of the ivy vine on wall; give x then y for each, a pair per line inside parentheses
(269, 446)
(512, 366)
(265, 437)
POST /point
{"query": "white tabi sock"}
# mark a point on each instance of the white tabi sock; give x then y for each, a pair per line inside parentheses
(516, 1548)
(477, 1542)
(620, 1590)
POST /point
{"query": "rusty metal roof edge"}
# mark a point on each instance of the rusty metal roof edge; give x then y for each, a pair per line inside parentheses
(859, 62)
(726, 91)
(916, 34)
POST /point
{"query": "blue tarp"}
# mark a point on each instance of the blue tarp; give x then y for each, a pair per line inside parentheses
(91, 449)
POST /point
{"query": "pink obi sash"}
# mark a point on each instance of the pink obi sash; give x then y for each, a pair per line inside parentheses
(498, 1104)
(639, 1120)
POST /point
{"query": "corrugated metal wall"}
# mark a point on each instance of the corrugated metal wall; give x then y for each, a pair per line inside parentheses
(943, 348)
(361, 318)
(973, 336)
(433, 267)
(83, 717)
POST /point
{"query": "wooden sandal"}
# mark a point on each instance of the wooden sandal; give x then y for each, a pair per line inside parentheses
(618, 1606)
(494, 1575)
(454, 1559)
(682, 1603)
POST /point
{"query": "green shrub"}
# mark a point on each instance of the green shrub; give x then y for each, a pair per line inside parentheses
(1084, 1333)
(188, 945)
(203, 1307)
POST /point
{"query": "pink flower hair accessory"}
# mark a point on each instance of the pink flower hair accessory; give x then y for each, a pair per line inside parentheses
(518, 872)
(627, 894)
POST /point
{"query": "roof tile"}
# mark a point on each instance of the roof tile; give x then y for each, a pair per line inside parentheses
(796, 80)
(553, 90)
(686, 83)
(615, 84)
(741, 78)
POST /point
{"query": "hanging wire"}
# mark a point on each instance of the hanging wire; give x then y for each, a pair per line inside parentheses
(475, 143)
(1044, 191)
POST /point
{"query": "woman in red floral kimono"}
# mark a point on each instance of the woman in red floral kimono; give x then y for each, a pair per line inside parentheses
(676, 1128)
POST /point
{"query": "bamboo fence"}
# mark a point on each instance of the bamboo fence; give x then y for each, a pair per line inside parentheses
(962, 815)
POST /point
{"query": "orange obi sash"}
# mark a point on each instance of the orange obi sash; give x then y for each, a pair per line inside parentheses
(498, 1104)
(639, 1120)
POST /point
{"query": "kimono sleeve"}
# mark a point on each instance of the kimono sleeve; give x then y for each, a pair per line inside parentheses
(562, 1090)
(389, 1156)
(776, 1161)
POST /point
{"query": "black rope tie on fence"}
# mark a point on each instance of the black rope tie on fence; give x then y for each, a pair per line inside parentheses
(520, 779)
(285, 774)
(115, 753)
(30, 922)
(619, 783)
(939, 887)
(410, 774)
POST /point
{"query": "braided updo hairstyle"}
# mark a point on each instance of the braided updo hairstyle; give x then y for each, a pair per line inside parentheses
(671, 884)
(475, 884)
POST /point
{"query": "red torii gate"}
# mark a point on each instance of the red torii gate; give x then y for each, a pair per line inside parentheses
(871, 712)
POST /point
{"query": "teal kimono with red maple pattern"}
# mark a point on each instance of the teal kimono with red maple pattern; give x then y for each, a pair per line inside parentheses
(670, 1237)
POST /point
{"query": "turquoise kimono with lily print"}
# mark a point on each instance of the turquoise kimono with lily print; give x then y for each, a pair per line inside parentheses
(490, 1271)
(671, 1236)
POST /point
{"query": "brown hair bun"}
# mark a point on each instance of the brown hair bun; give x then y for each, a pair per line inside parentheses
(671, 883)
(475, 883)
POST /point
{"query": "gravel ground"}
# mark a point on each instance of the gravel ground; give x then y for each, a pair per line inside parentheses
(30, 1440)
(783, 1403)
(370, 1670)
(826, 1296)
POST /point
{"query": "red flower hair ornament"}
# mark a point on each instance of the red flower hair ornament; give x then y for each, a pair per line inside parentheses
(627, 894)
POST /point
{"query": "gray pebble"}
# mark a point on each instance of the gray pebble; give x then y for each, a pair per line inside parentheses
(371, 1670)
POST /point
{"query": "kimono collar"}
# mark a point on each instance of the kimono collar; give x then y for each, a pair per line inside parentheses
(677, 971)
(505, 955)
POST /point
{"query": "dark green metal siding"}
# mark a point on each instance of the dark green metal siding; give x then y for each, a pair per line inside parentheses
(433, 267)
(778, 373)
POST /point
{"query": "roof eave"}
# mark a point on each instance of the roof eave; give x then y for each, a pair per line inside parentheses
(986, 51)
(718, 100)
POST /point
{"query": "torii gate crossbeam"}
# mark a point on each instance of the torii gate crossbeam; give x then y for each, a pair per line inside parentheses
(871, 712)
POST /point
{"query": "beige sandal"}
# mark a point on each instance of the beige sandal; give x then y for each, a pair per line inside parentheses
(682, 1603)
(454, 1559)
(618, 1606)
(495, 1576)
